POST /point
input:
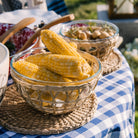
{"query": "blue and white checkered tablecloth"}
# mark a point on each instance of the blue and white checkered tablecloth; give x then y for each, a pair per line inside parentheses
(115, 115)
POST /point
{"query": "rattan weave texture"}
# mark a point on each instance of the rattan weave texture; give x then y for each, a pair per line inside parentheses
(16, 115)
(113, 63)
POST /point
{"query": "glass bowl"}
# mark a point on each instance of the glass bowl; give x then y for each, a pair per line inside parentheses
(99, 39)
(18, 39)
(55, 97)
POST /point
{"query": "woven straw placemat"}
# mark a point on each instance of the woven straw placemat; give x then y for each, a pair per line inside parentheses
(113, 63)
(16, 115)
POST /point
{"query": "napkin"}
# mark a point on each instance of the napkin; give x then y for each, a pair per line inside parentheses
(17, 15)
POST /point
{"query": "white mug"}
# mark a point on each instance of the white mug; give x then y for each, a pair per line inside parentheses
(4, 69)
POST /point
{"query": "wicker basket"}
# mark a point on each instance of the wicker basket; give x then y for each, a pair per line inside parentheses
(101, 48)
(56, 97)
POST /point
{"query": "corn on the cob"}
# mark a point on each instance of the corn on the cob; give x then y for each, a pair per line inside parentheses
(74, 45)
(44, 96)
(47, 97)
(36, 72)
(38, 59)
(67, 66)
(56, 44)
(68, 96)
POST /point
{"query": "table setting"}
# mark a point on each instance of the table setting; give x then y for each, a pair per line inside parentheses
(62, 86)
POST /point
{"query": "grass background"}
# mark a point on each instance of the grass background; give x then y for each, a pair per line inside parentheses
(83, 9)
(87, 9)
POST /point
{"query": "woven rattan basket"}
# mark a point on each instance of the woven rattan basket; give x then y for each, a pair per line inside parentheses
(101, 48)
(56, 97)
(16, 115)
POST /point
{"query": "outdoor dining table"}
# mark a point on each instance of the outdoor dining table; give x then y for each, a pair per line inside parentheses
(115, 114)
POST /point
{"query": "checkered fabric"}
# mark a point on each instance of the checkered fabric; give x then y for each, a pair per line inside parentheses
(115, 114)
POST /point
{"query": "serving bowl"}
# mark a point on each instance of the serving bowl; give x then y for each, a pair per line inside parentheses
(55, 97)
(96, 37)
(18, 39)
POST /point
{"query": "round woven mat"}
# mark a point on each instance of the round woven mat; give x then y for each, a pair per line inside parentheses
(113, 63)
(16, 115)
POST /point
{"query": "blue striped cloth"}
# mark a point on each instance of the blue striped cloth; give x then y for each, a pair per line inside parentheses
(115, 114)
(58, 6)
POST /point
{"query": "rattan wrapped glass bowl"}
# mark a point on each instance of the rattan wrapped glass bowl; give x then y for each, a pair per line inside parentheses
(99, 46)
(55, 97)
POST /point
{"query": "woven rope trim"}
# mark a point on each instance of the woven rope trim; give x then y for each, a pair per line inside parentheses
(113, 63)
(16, 115)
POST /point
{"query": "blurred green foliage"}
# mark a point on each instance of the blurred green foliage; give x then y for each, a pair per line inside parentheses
(84, 9)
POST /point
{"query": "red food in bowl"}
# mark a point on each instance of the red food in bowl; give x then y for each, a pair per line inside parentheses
(18, 39)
